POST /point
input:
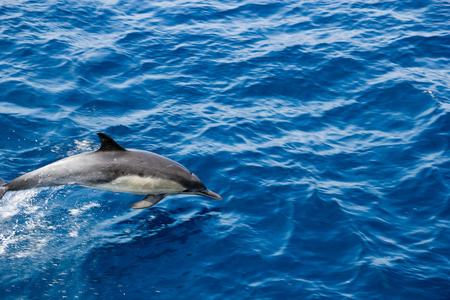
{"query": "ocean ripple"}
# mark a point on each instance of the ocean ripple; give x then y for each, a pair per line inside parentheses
(324, 124)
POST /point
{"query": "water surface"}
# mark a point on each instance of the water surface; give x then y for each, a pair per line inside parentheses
(323, 124)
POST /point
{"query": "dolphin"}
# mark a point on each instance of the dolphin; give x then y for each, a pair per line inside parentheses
(117, 169)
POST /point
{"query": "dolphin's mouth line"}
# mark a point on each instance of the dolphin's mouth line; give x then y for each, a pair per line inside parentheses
(206, 193)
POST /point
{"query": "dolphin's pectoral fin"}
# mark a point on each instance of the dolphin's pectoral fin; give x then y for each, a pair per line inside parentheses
(148, 201)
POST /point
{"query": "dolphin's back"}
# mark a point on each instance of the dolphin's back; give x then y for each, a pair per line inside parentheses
(70, 170)
(95, 169)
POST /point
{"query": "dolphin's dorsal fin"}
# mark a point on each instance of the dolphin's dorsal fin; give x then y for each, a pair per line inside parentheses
(108, 144)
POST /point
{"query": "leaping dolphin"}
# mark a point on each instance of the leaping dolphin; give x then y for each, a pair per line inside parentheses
(117, 169)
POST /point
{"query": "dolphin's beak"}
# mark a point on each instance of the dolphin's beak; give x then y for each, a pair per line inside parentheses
(209, 194)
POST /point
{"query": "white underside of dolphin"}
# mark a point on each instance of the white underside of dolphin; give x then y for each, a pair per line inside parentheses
(116, 169)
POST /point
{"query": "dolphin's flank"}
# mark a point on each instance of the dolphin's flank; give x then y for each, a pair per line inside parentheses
(117, 169)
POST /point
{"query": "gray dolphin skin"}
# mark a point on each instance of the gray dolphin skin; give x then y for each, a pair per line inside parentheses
(117, 169)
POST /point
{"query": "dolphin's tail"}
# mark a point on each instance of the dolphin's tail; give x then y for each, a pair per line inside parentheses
(3, 188)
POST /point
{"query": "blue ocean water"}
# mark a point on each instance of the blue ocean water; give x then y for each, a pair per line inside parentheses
(323, 124)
